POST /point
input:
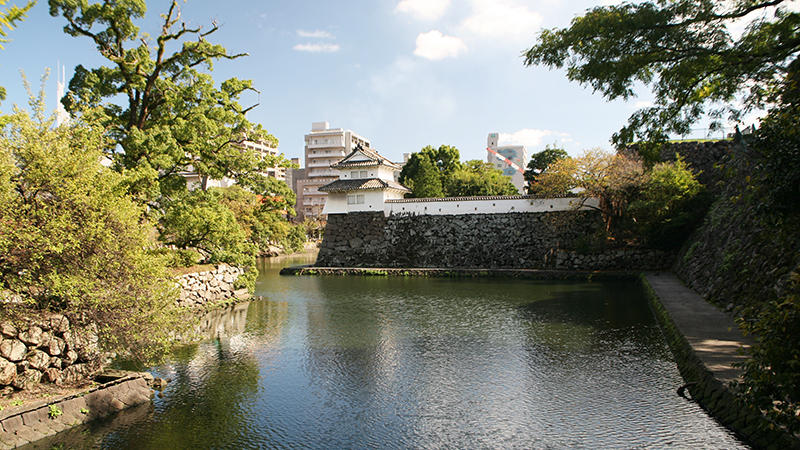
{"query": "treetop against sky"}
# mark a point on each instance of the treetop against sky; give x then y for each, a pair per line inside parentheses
(404, 73)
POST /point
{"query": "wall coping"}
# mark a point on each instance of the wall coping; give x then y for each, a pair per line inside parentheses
(478, 198)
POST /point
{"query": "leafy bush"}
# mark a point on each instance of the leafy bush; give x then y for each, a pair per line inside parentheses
(478, 178)
(670, 205)
(72, 241)
(294, 239)
(201, 221)
(772, 375)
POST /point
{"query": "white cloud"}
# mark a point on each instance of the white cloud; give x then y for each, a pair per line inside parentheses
(318, 34)
(502, 19)
(434, 45)
(643, 104)
(530, 137)
(318, 47)
(423, 9)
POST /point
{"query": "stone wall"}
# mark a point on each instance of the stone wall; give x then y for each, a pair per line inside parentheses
(702, 157)
(716, 397)
(552, 240)
(49, 349)
(34, 421)
(211, 286)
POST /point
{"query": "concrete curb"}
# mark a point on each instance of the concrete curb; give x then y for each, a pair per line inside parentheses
(712, 393)
(38, 420)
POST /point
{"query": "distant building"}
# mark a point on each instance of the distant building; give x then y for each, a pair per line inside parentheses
(517, 155)
(262, 148)
(324, 146)
(365, 181)
(62, 116)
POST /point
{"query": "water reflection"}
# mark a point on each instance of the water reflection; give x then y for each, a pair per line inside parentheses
(328, 362)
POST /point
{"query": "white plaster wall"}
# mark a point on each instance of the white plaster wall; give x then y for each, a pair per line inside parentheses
(466, 206)
(382, 172)
(373, 201)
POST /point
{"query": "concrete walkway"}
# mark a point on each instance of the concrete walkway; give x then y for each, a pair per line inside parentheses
(712, 333)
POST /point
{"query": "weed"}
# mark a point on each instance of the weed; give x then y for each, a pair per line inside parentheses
(54, 411)
(16, 403)
(84, 411)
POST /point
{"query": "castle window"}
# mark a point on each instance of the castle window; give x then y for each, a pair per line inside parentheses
(355, 199)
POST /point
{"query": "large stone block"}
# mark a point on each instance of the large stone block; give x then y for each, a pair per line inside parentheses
(27, 379)
(32, 336)
(8, 330)
(8, 372)
(38, 360)
(12, 350)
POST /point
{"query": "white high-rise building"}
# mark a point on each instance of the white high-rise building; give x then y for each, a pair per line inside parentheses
(324, 146)
(511, 159)
(62, 116)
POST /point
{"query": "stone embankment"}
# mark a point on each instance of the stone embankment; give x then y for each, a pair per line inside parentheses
(47, 349)
(532, 274)
(211, 286)
(563, 240)
(30, 422)
(708, 346)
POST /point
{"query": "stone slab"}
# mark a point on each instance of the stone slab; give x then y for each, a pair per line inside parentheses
(32, 422)
(713, 335)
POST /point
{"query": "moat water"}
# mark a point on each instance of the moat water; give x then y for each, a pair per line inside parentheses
(361, 362)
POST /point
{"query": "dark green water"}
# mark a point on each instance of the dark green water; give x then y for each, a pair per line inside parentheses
(327, 362)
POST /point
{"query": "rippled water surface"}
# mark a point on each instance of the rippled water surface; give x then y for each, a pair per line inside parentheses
(328, 362)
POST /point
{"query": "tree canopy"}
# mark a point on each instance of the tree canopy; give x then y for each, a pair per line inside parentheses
(685, 50)
(541, 161)
(433, 172)
(173, 117)
(476, 177)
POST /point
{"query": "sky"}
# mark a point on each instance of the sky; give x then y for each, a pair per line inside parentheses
(402, 73)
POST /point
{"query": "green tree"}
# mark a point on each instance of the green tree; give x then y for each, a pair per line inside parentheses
(427, 181)
(669, 205)
(202, 221)
(476, 178)
(8, 18)
(446, 159)
(683, 50)
(172, 117)
(541, 161)
(613, 179)
(72, 241)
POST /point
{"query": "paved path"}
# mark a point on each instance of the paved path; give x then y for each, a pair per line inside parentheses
(712, 333)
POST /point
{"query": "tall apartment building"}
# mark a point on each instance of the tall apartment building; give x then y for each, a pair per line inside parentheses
(324, 146)
(517, 154)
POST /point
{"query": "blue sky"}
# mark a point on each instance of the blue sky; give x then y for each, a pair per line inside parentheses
(403, 73)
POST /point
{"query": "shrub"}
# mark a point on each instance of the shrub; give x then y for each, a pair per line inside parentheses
(72, 241)
(669, 206)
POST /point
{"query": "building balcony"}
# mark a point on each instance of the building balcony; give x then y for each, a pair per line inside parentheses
(323, 173)
(321, 143)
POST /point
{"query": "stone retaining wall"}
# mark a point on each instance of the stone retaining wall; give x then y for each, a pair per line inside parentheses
(547, 240)
(201, 288)
(713, 395)
(702, 157)
(530, 274)
(29, 423)
(47, 348)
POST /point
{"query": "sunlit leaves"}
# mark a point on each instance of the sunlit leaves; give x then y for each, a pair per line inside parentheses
(684, 51)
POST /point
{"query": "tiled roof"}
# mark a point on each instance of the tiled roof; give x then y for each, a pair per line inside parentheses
(361, 184)
(376, 160)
